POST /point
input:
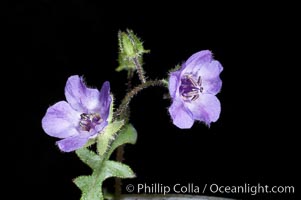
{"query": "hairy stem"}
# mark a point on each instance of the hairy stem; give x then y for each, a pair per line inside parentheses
(123, 113)
(139, 70)
(127, 99)
(129, 77)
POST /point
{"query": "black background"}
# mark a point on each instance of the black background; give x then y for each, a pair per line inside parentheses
(255, 139)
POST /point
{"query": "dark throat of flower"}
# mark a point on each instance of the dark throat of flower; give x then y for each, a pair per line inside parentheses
(190, 87)
(89, 121)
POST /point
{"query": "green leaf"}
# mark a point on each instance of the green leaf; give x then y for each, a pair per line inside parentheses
(105, 138)
(83, 182)
(137, 43)
(93, 194)
(91, 186)
(89, 157)
(117, 169)
(128, 45)
(127, 135)
(90, 142)
(125, 63)
(130, 49)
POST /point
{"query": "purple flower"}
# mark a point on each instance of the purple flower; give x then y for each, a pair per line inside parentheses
(81, 118)
(193, 89)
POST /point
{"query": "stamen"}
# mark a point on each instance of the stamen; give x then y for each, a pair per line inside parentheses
(190, 88)
(195, 97)
(89, 121)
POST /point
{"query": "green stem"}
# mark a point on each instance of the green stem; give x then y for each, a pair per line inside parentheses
(129, 77)
(121, 111)
(139, 70)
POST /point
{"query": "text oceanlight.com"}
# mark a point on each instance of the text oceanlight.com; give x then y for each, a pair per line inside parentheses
(192, 188)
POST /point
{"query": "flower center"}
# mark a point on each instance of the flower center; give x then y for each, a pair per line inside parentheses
(89, 121)
(190, 88)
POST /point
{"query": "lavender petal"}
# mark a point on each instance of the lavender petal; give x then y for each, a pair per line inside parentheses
(206, 108)
(61, 120)
(181, 116)
(80, 97)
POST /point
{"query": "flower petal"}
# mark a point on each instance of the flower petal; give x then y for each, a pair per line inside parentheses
(105, 100)
(80, 97)
(181, 117)
(73, 143)
(61, 120)
(211, 81)
(212, 86)
(196, 61)
(174, 81)
(206, 108)
(210, 70)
